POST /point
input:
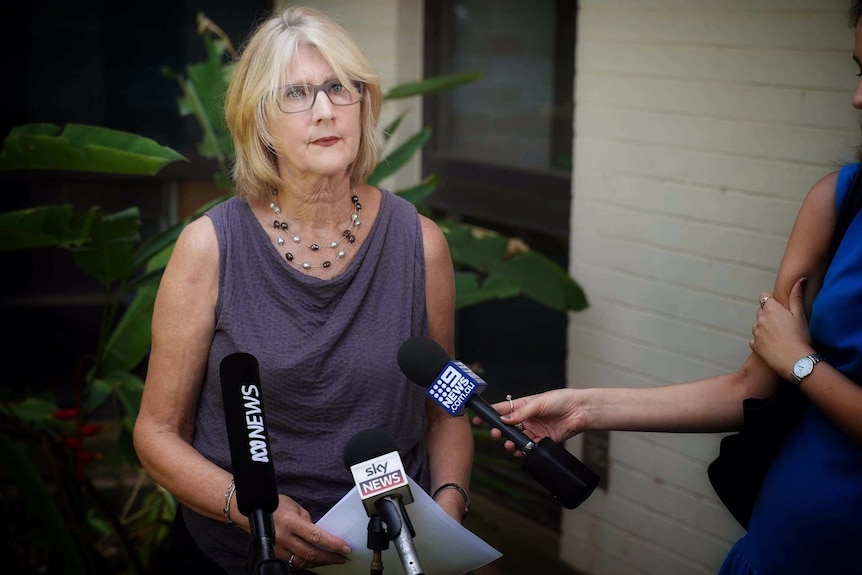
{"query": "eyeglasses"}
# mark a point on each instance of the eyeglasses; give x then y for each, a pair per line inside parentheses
(295, 98)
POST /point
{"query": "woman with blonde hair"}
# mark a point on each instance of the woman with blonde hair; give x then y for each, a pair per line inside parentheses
(318, 275)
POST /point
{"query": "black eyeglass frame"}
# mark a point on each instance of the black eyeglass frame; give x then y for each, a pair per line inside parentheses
(325, 87)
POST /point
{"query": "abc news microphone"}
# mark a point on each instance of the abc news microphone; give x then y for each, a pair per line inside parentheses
(453, 386)
(251, 457)
(372, 458)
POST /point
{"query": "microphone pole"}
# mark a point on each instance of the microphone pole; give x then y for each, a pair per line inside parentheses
(400, 530)
(378, 541)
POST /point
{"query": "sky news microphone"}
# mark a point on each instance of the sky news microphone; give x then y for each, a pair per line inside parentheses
(372, 458)
(454, 387)
(251, 456)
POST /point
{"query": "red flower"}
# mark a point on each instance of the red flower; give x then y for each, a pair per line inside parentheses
(89, 429)
(66, 414)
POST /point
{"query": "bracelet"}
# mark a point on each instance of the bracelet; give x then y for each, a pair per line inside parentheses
(227, 497)
(460, 490)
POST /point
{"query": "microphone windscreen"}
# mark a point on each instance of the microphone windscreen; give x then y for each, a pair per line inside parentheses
(367, 444)
(422, 359)
(250, 453)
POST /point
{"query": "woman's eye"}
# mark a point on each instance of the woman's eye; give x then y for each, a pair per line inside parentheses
(296, 92)
(336, 87)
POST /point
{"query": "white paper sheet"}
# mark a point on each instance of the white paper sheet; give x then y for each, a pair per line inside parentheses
(443, 545)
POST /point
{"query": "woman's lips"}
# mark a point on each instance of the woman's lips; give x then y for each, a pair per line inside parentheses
(328, 141)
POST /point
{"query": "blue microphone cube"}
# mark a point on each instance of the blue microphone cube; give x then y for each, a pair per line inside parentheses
(454, 387)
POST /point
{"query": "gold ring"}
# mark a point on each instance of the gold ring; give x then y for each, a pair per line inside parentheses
(511, 404)
(763, 301)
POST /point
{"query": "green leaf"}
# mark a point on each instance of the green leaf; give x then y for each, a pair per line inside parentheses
(98, 391)
(389, 130)
(36, 228)
(419, 192)
(431, 85)
(83, 148)
(131, 339)
(469, 291)
(38, 503)
(482, 252)
(542, 280)
(36, 414)
(399, 157)
(129, 389)
(108, 255)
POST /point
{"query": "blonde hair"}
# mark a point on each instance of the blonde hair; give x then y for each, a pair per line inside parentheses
(259, 72)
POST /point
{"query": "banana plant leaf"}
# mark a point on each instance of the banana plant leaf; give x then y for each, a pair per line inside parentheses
(533, 274)
(131, 338)
(40, 227)
(541, 279)
(107, 256)
(417, 194)
(399, 157)
(203, 88)
(54, 532)
(392, 127)
(470, 290)
(431, 85)
(83, 148)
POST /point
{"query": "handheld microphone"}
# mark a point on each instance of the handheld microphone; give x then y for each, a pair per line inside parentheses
(251, 456)
(372, 458)
(454, 387)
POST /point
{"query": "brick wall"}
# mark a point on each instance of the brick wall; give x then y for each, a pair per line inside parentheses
(700, 126)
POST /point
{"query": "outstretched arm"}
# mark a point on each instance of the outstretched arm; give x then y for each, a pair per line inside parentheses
(712, 404)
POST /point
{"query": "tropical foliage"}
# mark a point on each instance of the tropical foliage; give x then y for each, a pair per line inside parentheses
(70, 521)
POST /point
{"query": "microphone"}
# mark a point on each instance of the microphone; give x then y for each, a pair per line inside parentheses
(372, 458)
(251, 456)
(454, 387)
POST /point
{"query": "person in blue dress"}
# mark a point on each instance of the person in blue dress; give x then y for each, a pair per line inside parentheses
(808, 333)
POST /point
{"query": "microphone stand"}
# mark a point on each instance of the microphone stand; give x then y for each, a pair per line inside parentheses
(263, 534)
(400, 530)
(378, 542)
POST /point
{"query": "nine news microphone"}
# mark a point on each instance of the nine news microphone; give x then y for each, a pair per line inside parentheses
(453, 386)
(372, 458)
(251, 456)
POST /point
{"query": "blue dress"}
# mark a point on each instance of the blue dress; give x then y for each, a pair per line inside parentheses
(808, 515)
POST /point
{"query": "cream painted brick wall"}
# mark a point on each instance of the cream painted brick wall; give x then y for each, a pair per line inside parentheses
(700, 126)
(389, 32)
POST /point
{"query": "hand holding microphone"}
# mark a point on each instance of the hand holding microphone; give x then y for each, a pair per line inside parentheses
(254, 476)
(454, 387)
(549, 414)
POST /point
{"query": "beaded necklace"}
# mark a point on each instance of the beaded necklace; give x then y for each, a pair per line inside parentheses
(347, 236)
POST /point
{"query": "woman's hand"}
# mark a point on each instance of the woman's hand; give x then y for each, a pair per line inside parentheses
(301, 542)
(781, 334)
(555, 414)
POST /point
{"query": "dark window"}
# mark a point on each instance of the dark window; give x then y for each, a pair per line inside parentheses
(503, 149)
(503, 145)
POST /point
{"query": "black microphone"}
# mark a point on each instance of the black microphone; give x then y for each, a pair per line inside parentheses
(251, 456)
(454, 386)
(372, 458)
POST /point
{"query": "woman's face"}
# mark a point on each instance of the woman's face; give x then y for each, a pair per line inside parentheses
(323, 140)
(857, 57)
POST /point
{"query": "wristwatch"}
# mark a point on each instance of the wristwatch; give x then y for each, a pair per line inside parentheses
(804, 366)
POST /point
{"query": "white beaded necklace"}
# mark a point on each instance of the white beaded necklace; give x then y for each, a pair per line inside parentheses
(347, 236)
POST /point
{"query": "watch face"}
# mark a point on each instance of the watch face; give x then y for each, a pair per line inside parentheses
(803, 367)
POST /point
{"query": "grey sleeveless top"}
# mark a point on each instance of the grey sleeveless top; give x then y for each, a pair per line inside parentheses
(327, 351)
